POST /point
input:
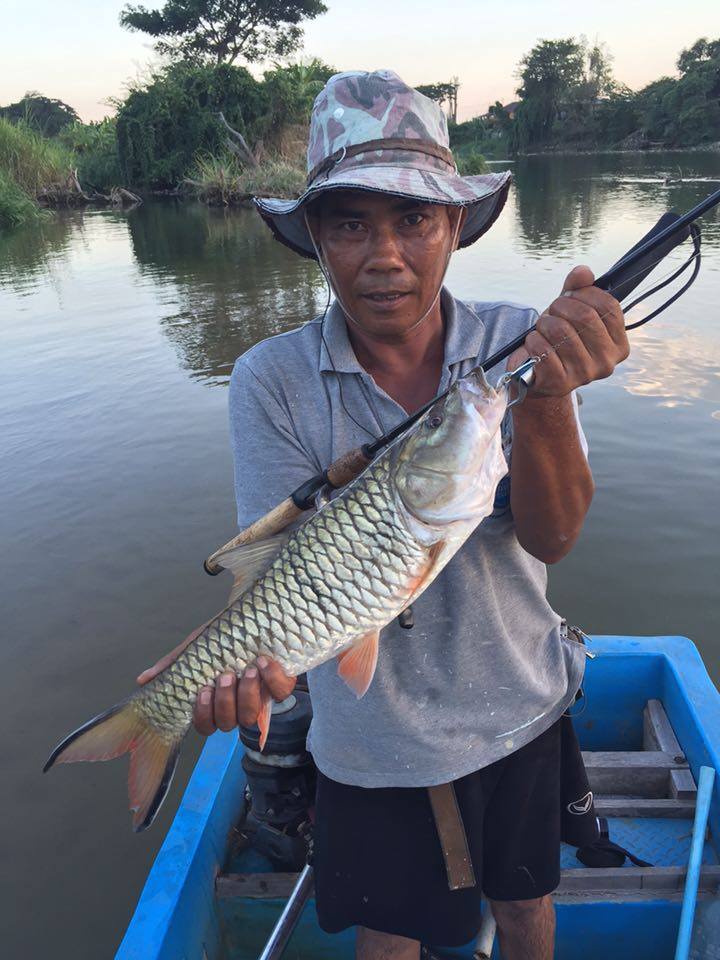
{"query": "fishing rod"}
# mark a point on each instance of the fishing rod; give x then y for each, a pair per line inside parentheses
(619, 281)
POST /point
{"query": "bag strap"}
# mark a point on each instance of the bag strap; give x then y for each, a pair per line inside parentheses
(604, 853)
(453, 839)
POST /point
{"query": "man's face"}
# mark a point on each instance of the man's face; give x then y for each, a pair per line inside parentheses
(387, 256)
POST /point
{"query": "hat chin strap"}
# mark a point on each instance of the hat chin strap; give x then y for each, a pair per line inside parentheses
(329, 279)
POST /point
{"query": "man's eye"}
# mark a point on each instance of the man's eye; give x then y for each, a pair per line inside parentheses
(352, 226)
(414, 219)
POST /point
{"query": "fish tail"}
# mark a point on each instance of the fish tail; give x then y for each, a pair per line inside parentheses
(124, 729)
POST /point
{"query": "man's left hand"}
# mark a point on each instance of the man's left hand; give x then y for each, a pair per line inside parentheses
(581, 337)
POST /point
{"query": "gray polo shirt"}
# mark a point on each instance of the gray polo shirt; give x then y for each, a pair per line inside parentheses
(486, 668)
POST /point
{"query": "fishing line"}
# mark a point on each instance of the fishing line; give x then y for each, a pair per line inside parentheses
(695, 258)
(338, 378)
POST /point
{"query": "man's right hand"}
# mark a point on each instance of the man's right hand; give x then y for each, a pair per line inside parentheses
(233, 701)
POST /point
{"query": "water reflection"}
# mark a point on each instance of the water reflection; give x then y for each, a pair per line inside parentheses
(562, 201)
(555, 207)
(225, 282)
(28, 252)
(675, 370)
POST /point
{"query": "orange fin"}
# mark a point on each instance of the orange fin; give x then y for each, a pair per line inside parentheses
(263, 720)
(123, 729)
(357, 665)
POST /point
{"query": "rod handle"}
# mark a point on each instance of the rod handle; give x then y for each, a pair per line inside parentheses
(347, 467)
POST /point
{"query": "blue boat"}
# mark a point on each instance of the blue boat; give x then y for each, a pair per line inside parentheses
(650, 721)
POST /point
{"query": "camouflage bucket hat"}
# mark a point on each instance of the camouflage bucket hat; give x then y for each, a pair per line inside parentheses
(371, 131)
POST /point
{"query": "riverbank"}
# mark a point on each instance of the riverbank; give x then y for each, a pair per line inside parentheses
(38, 172)
(570, 151)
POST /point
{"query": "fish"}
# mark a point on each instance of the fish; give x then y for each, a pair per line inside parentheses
(325, 589)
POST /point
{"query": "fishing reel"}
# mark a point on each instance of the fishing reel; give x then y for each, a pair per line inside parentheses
(280, 790)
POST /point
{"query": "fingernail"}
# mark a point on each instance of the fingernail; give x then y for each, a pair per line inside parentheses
(205, 697)
(226, 680)
(250, 673)
(262, 662)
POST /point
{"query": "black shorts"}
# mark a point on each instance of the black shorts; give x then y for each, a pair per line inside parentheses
(377, 856)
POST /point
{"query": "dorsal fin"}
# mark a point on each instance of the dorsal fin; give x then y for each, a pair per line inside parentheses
(248, 562)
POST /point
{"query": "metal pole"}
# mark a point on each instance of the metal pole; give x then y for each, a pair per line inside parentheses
(275, 947)
(486, 938)
(702, 809)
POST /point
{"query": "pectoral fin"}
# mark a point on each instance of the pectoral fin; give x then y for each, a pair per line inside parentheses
(357, 665)
(263, 720)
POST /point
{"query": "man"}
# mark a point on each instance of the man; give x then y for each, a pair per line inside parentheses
(474, 694)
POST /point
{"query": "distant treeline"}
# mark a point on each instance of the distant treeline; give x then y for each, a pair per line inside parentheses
(569, 98)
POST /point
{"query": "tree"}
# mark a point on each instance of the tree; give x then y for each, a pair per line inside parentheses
(46, 115)
(548, 73)
(443, 93)
(700, 52)
(220, 31)
(292, 90)
(598, 72)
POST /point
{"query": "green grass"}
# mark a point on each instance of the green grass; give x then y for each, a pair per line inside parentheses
(29, 165)
(30, 160)
(223, 181)
(16, 206)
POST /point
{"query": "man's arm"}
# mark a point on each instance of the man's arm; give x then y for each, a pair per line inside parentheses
(581, 338)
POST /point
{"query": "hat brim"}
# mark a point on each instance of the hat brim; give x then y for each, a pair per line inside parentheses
(483, 197)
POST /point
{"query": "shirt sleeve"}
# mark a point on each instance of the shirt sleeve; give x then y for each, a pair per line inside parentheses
(269, 460)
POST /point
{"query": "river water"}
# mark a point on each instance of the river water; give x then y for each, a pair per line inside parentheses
(119, 331)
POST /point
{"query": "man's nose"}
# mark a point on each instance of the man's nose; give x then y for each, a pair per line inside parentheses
(385, 252)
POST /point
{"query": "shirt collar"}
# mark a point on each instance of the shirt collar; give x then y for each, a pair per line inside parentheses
(464, 335)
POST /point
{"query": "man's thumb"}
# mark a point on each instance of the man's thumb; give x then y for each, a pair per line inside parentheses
(581, 276)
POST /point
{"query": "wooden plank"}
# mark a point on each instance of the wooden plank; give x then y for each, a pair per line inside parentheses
(682, 785)
(658, 733)
(657, 879)
(639, 773)
(677, 809)
(255, 886)
(629, 896)
(573, 881)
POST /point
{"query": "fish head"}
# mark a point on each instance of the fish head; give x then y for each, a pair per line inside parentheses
(449, 464)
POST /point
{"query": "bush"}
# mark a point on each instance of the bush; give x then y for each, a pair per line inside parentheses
(472, 163)
(96, 156)
(164, 126)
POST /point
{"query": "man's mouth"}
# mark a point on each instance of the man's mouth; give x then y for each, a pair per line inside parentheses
(391, 297)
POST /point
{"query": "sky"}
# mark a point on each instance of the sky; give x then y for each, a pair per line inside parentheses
(81, 55)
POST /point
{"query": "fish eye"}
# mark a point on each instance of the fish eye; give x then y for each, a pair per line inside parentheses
(434, 421)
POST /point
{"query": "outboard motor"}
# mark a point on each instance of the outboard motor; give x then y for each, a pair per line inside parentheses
(280, 785)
